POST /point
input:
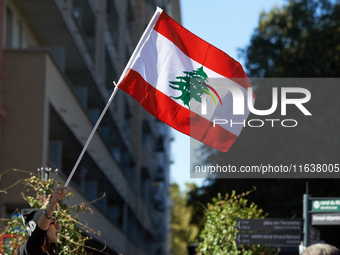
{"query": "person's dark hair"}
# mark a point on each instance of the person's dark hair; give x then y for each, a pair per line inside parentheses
(49, 246)
(321, 249)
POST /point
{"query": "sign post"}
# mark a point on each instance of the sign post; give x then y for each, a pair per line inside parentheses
(319, 212)
(325, 211)
(322, 219)
(270, 224)
(277, 239)
(271, 231)
(306, 220)
(326, 205)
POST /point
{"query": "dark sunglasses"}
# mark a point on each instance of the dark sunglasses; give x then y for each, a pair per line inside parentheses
(55, 223)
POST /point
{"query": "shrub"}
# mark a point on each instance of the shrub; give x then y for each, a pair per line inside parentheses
(219, 233)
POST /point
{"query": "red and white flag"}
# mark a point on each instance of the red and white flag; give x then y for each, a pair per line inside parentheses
(171, 73)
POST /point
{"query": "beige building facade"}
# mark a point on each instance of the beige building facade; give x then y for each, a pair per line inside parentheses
(59, 59)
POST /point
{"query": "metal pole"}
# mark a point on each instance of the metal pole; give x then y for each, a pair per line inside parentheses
(45, 174)
(306, 220)
(91, 135)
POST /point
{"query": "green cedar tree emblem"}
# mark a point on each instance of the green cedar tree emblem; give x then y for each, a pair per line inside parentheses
(193, 85)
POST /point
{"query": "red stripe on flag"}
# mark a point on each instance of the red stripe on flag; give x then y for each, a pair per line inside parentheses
(200, 50)
(182, 119)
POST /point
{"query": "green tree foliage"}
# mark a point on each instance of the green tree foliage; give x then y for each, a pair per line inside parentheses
(183, 232)
(219, 233)
(299, 40)
(71, 238)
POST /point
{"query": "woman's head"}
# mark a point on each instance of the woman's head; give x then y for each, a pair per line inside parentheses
(53, 230)
(31, 217)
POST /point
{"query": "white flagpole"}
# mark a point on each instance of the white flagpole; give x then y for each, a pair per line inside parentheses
(91, 135)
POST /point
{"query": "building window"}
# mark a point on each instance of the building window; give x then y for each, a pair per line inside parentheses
(86, 22)
(112, 21)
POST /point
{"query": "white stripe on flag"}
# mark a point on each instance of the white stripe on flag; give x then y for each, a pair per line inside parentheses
(162, 61)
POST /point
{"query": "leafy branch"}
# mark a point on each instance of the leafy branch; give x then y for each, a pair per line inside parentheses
(37, 194)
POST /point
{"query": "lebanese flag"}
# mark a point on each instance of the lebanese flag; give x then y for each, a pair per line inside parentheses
(170, 70)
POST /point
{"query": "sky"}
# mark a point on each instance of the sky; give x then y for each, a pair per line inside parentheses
(228, 25)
